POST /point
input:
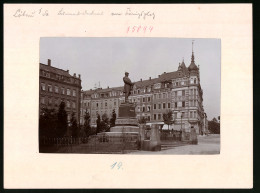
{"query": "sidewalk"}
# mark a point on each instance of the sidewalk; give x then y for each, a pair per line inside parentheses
(206, 145)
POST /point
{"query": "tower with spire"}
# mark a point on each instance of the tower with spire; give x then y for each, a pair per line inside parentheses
(193, 69)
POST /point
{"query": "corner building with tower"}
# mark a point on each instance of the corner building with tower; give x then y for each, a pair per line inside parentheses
(179, 91)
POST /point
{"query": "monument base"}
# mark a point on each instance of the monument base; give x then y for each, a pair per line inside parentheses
(125, 128)
(126, 115)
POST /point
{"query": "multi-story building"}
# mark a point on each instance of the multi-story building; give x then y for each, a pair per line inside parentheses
(58, 85)
(178, 91)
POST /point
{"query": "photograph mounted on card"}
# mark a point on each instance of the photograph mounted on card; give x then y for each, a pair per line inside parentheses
(162, 110)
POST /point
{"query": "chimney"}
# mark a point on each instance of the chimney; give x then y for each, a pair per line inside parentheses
(164, 72)
(79, 76)
(141, 80)
(68, 71)
(49, 62)
(150, 78)
(108, 87)
(74, 74)
(159, 76)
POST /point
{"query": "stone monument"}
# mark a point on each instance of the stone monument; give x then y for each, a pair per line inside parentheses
(126, 120)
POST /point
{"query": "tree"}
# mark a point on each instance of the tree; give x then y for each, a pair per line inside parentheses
(215, 120)
(167, 118)
(62, 122)
(74, 126)
(98, 123)
(113, 119)
(87, 123)
(48, 123)
(142, 120)
(214, 126)
(104, 123)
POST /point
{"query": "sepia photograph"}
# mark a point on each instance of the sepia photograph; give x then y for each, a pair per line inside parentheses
(129, 95)
(120, 99)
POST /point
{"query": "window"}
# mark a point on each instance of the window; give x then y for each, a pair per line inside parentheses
(50, 101)
(105, 104)
(175, 104)
(148, 108)
(183, 103)
(159, 96)
(177, 84)
(143, 109)
(62, 90)
(73, 105)
(74, 93)
(97, 104)
(148, 99)
(154, 96)
(56, 102)
(183, 92)
(175, 93)
(159, 106)
(191, 91)
(191, 114)
(195, 81)
(164, 95)
(138, 91)
(43, 100)
(49, 88)
(175, 115)
(68, 104)
(42, 86)
(154, 117)
(143, 99)
(115, 103)
(154, 106)
(195, 114)
(68, 91)
(159, 116)
(164, 105)
(148, 118)
(56, 89)
(169, 105)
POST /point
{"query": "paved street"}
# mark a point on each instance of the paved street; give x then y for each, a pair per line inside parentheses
(206, 145)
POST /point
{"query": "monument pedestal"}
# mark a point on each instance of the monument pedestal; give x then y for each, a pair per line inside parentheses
(126, 121)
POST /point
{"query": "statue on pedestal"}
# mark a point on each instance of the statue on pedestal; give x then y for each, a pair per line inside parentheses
(128, 87)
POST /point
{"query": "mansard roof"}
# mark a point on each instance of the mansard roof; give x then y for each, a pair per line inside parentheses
(55, 70)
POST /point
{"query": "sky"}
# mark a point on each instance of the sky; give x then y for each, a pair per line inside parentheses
(105, 60)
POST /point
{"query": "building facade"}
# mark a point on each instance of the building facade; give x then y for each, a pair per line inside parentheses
(179, 91)
(58, 85)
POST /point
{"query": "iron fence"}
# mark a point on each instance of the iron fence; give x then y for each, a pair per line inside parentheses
(92, 144)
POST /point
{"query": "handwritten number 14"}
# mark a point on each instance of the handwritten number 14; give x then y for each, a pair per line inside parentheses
(116, 165)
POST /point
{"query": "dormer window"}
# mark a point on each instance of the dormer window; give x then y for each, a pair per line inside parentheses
(157, 86)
